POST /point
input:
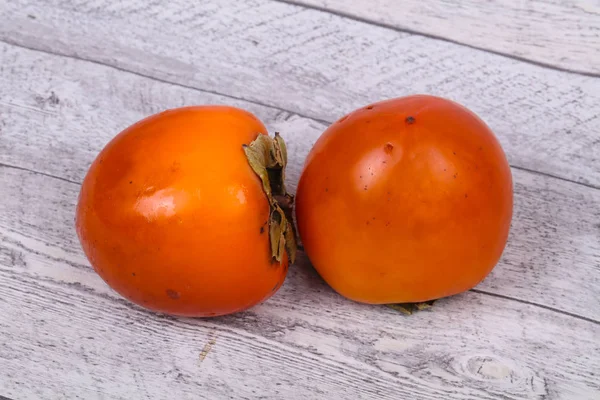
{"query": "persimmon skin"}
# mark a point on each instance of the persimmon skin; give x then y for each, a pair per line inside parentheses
(173, 218)
(406, 200)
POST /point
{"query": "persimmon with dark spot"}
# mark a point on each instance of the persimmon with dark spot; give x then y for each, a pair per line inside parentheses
(438, 206)
(172, 212)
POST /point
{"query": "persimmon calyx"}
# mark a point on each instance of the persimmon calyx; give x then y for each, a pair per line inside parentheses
(409, 308)
(268, 158)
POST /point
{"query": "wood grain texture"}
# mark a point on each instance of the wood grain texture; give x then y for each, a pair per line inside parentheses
(56, 119)
(529, 331)
(67, 335)
(322, 66)
(557, 33)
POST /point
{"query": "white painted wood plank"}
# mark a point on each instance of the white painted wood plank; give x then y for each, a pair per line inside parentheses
(56, 119)
(65, 334)
(320, 65)
(560, 33)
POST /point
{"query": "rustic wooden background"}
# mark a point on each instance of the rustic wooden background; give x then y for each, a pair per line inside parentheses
(73, 73)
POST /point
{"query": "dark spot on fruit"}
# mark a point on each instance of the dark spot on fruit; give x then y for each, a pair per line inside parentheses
(466, 195)
(370, 107)
(384, 162)
(454, 152)
(133, 274)
(410, 120)
(262, 230)
(368, 223)
(373, 218)
(388, 148)
(366, 187)
(327, 189)
(444, 169)
(480, 148)
(176, 166)
(454, 176)
(360, 177)
(130, 182)
(173, 294)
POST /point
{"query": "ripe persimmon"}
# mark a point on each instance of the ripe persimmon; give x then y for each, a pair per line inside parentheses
(404, 201)
(179, 215)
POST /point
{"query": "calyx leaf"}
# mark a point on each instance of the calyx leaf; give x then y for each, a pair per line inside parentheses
(409, 308)
(268, 158)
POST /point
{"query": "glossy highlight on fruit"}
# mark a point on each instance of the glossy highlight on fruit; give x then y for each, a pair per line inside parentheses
(405, 201)
(173, 216)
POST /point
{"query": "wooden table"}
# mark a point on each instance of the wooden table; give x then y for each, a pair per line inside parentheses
(74, 73)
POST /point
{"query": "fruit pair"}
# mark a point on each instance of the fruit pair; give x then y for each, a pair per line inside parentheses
(186, 212)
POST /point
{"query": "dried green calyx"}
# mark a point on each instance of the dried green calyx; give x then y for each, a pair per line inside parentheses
(409, 308)
(268, 158)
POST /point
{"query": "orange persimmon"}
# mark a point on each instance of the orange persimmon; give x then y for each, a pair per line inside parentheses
(174, 217)
(404, 201)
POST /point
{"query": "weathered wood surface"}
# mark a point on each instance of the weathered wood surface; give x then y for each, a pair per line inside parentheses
(561, 34)
(322, 66)
(551, 261)
(529, 331)
(70, 337)
(554, 229)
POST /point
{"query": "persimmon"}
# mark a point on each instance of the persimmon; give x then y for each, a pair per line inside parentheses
(180, 213)
(405, 201)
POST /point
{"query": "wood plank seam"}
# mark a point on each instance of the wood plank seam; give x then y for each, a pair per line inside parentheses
(541, 116)
(475, 290)
(322, 121)
(501, 296)
(11, 43)
(433, 36)
(39, 173)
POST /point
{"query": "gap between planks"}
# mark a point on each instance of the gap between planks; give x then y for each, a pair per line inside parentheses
(301, 248)
(409, 31)
(274, 107)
